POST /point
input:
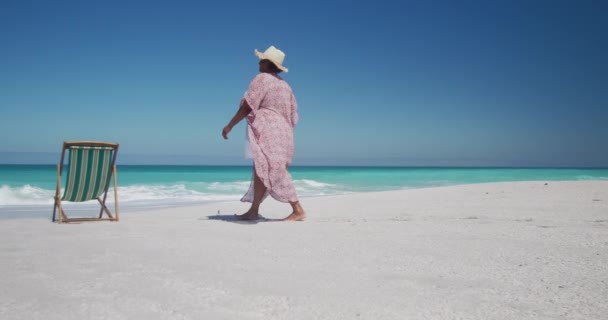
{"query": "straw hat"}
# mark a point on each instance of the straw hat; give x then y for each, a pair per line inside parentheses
(273, 54)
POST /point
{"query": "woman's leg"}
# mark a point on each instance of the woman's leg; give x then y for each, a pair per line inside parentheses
(259, 189)
(258, 193)
(298, 213)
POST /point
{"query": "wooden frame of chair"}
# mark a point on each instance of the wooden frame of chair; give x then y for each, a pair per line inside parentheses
(83, 145)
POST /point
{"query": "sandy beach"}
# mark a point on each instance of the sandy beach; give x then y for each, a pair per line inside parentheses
(521, 250)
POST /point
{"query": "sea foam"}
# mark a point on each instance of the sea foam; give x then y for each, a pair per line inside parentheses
(25, 195)
(162, 195)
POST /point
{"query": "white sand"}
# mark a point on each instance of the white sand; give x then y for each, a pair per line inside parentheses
(488, 251)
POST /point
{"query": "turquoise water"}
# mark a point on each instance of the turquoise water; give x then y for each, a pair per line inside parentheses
(29, 186)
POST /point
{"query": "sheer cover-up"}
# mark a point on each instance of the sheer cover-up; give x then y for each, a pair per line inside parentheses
(270, 127)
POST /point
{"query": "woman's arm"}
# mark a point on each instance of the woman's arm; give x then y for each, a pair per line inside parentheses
(243, 111)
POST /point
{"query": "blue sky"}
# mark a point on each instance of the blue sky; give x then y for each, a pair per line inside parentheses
(435, 83)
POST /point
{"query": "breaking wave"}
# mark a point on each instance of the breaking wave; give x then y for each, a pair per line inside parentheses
(162, 195)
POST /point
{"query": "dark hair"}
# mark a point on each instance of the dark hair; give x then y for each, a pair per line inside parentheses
(273, 67)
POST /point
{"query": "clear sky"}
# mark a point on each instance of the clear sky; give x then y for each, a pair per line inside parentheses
(431, 83)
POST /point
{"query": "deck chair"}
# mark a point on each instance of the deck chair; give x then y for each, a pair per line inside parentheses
(91, 165)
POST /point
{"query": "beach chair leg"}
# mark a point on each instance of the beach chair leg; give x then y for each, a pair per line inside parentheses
(115, 192)
(61, 213)
(57, 191)
(54, 210)
(104, 208)
(58, 212)
(100, 210)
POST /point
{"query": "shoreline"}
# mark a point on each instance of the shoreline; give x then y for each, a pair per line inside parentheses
(39, 210)
(478, 192)
(521, 250)
(163, 186)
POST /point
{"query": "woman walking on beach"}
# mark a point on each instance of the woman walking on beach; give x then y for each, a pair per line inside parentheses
(271, 111)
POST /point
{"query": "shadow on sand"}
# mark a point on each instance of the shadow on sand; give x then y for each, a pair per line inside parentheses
(234, 219)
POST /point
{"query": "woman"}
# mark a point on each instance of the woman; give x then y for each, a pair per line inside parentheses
(271, 111)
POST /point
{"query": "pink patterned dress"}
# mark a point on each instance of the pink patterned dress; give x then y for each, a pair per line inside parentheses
(270, 127)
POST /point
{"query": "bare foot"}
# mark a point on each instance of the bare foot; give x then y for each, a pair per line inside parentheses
(247, 216)
(296, 216)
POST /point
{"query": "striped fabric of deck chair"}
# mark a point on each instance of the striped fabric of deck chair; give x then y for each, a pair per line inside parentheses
(91, 165)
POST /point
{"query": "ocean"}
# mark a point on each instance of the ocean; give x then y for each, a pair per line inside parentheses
(30, 188)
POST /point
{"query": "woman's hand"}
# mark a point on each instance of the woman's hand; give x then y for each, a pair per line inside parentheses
(225, 131)
(243, 111)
